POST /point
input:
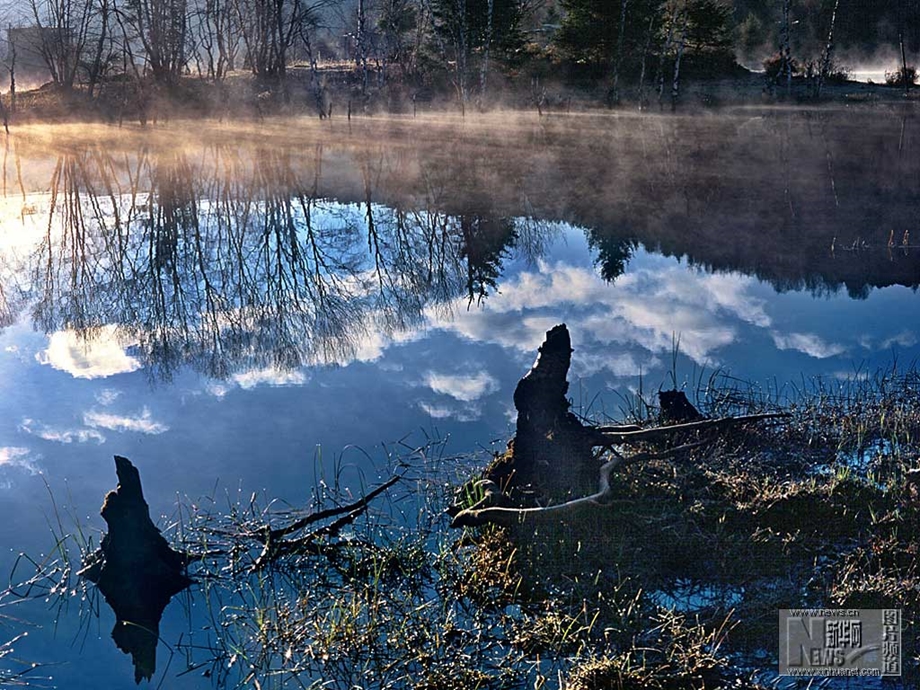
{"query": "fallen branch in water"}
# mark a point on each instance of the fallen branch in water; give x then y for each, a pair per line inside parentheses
(507, 516)
(611, 436)
(276, 546)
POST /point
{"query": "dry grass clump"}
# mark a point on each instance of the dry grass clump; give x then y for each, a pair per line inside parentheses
(675, 653)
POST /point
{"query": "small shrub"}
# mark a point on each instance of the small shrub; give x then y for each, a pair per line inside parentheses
(837, 74)
(903, 76)
(773, 66)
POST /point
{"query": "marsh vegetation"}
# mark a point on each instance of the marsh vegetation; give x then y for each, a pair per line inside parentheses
(672, 582)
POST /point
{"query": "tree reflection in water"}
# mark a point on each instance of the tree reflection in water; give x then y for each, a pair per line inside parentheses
(278, 249)
(229, 264)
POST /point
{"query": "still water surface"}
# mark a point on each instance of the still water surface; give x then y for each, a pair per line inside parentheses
(261, 309)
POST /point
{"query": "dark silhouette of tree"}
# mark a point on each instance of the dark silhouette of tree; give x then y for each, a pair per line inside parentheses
(468, 33)
(398, 24)
(610, 38)
(591, 30)
(61, 35)
(613, 253)
(161, 27)
(486, 241)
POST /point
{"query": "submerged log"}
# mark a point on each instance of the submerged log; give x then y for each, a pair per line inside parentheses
(135, 569)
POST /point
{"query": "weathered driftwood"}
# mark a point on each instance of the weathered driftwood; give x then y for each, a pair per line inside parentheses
(608, 438)
(135, 569)
(551, 471)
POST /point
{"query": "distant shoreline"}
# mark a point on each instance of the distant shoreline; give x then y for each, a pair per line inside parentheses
(336, 92)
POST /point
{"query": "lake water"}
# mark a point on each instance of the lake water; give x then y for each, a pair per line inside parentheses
(261, 307)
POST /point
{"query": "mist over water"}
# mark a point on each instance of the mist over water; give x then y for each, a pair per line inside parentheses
(223, 303)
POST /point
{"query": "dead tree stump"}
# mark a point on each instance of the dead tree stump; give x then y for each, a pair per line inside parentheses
(551, 471)
(135, 569)
(550, 457)
(676, 409)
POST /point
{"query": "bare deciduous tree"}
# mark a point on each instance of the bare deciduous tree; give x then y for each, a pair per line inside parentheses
(827, 57)
(161, 27)
(61, 35)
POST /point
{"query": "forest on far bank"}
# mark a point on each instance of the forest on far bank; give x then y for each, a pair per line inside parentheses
(472, 53)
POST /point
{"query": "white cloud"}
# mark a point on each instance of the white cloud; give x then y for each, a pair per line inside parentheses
(247, 380)
(462, 387)
(43, 431)
(217, 389)
(270, 376)
(904, 339)
(644, 309)
(99, 356)
(808, 343)
(371, 343)
(624, 365)
(854, 375)
(107, 396)
(463, 412)
(437, 411)
(143, 423)
(12, 456)
(731, 292)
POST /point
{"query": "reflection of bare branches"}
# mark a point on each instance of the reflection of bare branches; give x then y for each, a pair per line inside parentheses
(9, 306)
(68, 259)
(230, 262)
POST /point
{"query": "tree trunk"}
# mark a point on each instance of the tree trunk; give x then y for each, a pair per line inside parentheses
(361, 47)
(901, 41)
(96, 67)
(828, 52)
(675, 84)
(786, 46)
(135, 569)
(462, 43)
(664, 51)
(315, 85)
(12, 73)
(648, 44)
(484, 68)
(550, 471)
(614, 98)
(551, 451)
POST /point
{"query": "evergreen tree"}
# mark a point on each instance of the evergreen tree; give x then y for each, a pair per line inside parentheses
(466, 31)
(590, 31)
